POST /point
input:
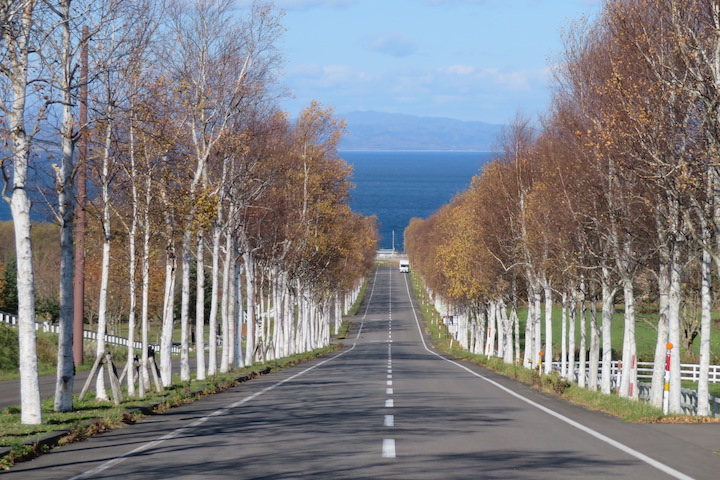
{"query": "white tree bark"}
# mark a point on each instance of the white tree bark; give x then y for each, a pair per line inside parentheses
(100, 392)
(185, 307)
(703, 407)
(227, 339)
(215, 280)
(239, 311)
(582, 363)
(674, 300)
(628, 379)
(250, 300)
(572, 327)
(594, 357)
(548, 327)
(608, 309)
(200, 308)
(145, 287)
(168, 305)
(16, 43)
(529, 329)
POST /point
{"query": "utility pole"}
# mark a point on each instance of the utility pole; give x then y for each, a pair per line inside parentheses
(79, 235)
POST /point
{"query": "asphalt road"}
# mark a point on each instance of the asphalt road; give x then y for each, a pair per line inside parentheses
(385, 407)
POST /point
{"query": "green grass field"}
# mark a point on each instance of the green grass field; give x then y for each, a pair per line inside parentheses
(645, 335)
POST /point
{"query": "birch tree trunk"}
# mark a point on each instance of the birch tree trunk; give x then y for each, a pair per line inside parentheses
(185, 306)
(215, 280)
(594, 361)
(239, 312)
(145, 287)
(537, 321)
(100, 392)
(529, 329)
(250, 300)
(548, 327)
(168, 307)
(516, 332)
(64, 186)
(703, 407)
(628, 381)
(674, 299)
(17, 44)
(608, 309)
(227, 339)
(571, 338)
(200, 307)
(132, 264)
(582, 354)
(563, 336)
(658, 377)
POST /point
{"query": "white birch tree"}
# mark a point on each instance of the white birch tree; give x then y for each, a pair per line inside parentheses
(17, 28)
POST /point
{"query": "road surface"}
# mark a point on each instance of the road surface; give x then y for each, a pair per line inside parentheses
(386, 406)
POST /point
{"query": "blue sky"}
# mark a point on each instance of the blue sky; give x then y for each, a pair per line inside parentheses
(465, 59)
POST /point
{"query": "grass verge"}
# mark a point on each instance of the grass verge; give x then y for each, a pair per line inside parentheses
(623, 408)
(91, 416)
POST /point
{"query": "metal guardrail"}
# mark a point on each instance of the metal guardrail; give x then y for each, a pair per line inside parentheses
(87, 334)
(688, 400)
(688, 371)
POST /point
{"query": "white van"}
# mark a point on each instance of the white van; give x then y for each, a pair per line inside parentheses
(404, 266)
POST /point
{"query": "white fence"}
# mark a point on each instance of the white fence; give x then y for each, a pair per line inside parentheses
(87, 334)
(688, 372)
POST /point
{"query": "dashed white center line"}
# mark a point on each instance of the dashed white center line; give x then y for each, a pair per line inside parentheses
(388, 445)
(388, 448)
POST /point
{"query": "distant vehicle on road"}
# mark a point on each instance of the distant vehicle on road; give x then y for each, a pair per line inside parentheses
(404, 266)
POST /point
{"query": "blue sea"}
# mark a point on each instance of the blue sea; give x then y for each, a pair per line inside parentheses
(397, 186)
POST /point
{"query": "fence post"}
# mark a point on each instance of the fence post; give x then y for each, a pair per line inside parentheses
(666, 390)
(540, 354)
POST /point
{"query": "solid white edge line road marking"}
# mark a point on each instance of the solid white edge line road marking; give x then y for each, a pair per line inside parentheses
(110, 463)
(388, 448)
(620, 446)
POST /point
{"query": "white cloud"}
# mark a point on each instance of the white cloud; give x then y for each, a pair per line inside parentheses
(516, 79)
(392, 44)
(329, 76)
(458, 69)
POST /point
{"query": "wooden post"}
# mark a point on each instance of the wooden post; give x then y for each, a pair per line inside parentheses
(91, 377)
(114, 382)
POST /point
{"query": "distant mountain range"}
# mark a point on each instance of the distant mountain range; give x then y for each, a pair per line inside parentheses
(373, 131)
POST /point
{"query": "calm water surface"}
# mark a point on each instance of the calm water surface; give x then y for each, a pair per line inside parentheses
(397, 186)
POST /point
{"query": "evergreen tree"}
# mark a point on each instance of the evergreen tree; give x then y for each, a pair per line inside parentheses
(8, 290)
